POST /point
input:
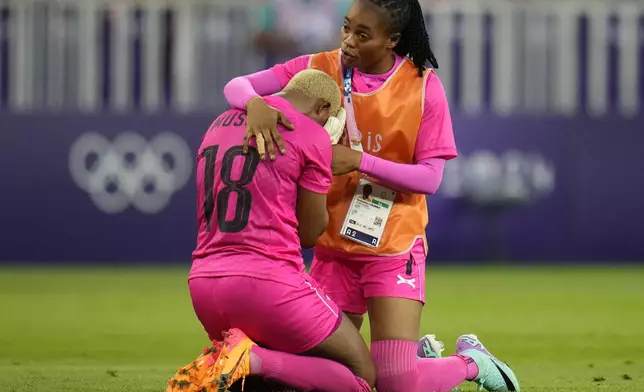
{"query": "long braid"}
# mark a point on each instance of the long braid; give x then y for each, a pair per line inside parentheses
(406, 19)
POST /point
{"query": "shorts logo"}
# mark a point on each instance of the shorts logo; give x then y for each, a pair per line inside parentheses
(411, 282)
(130, 170)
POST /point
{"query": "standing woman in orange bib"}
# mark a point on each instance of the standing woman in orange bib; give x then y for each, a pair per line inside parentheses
(372, 256)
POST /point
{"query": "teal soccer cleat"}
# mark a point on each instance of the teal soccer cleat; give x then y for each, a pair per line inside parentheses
(494, 375)
(429, 347)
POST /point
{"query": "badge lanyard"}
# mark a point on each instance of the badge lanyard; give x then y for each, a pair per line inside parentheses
(367, 216)
(355, 137)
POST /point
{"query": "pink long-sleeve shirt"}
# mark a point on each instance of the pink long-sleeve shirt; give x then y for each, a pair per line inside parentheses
(434, 145)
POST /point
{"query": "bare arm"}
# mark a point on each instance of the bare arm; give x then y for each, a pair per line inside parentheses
(313, 185)
(312, 216)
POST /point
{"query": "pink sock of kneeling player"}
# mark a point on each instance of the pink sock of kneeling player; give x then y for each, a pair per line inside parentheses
(400, 370)
(305, 373)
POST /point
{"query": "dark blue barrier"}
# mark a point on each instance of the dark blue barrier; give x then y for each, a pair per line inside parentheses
(592, 213)
(575, 187)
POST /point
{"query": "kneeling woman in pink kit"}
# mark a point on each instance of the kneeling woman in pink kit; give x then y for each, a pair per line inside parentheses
(372, 256)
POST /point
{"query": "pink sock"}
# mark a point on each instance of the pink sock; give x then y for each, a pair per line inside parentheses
(443, 374)
(399, 370)
(305, 373)
(395, 367)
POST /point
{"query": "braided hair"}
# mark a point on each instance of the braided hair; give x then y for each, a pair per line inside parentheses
(406, 19)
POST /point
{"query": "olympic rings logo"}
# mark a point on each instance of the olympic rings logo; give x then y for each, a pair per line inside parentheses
(130, 171)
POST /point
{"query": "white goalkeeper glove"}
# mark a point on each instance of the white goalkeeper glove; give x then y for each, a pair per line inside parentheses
(335, 126)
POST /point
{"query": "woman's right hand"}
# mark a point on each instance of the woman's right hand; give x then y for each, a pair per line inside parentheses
(262, 120)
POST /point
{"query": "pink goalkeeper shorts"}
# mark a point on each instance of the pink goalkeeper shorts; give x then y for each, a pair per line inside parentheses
(350, 283)
(279, 316)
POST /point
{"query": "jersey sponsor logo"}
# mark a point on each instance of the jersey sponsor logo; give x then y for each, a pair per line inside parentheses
(130, 171)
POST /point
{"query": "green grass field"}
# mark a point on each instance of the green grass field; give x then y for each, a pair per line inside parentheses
(130, 329)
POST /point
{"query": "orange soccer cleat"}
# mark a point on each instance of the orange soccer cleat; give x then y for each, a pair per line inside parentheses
(234, 360)
(191, 377)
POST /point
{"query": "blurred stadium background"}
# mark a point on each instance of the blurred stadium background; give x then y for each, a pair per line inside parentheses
(536, 236)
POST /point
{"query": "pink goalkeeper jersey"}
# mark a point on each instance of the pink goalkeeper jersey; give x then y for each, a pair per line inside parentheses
(247, 207)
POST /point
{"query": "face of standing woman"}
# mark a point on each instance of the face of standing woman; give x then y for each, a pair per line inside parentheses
(375, 29)
(367, 42)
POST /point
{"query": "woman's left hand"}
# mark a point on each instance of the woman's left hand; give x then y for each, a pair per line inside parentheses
(345, 160)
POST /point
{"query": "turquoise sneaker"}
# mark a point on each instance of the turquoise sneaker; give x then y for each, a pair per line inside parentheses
(494, 375)
(429, 347)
